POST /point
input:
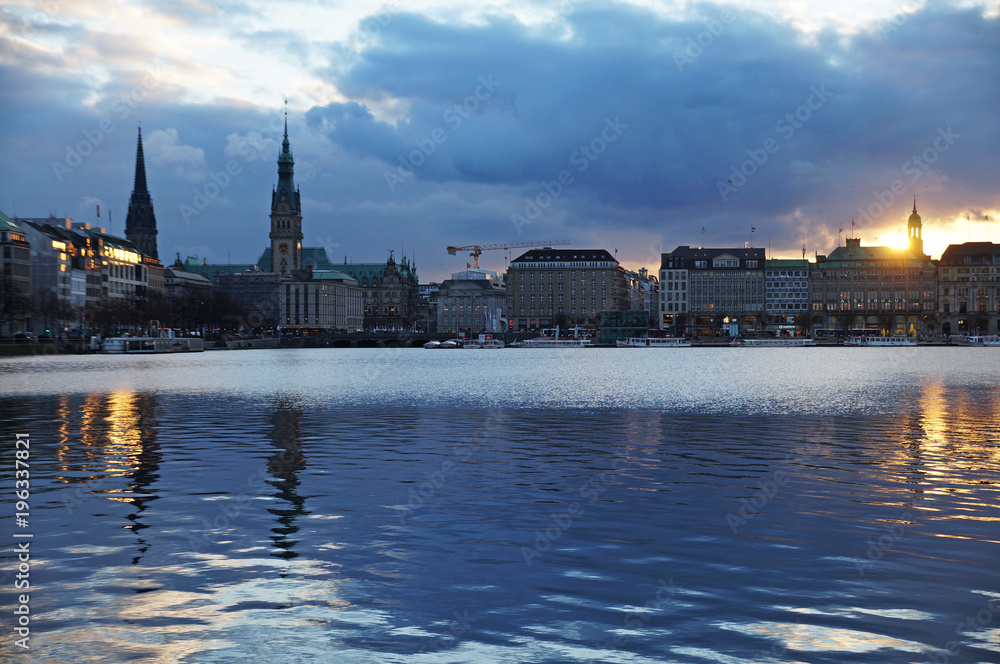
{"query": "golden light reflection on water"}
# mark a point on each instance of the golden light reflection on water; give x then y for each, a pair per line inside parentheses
(820, 638)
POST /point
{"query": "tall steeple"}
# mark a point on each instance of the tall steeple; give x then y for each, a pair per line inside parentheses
(914, 228)
(286, 213)
(140, 224)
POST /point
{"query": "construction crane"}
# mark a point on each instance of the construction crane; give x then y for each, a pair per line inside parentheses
(478, 249)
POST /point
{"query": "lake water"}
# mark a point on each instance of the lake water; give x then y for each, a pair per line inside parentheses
(734, 505)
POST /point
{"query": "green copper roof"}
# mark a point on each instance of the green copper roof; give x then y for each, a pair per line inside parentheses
(7, 224)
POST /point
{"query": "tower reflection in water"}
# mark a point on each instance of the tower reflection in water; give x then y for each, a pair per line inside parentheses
(284, 466)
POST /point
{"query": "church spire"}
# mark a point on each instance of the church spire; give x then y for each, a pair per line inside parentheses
(140, 168)
(914, 227)
(286, 213)
(286, 175)
(140, 223)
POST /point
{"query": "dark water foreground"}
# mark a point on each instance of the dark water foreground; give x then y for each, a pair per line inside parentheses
(791, 505)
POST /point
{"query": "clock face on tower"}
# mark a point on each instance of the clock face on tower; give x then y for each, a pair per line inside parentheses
(283, 247)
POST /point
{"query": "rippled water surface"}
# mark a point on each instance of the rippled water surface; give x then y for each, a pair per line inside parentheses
(729, 505)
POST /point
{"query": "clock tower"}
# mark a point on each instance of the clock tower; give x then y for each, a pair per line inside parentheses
(286, 215)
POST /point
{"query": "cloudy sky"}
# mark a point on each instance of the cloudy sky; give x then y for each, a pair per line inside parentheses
(417, 125)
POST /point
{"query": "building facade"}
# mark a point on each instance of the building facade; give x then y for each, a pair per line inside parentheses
(471, 302)
(643, 291)
(969, 289)
(15, 278)
(874, 290)
(786, 296)
(566, 287)
(706, 291)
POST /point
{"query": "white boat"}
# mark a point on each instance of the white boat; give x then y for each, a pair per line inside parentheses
(119, 345)
(986, 340)
(157, 340)
(774, 342)
(484, 341)
(432, 344)
(875, 340)
(652, 342)
(545, 342)
(451, 343)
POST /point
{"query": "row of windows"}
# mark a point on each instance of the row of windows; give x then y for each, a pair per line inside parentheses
(548, 312)
(558, 275)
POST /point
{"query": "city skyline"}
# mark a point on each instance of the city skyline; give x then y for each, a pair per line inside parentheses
(414, 130)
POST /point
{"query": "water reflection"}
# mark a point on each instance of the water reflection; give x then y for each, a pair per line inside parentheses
(285, 464)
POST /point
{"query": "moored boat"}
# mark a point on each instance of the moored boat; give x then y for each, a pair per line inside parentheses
(484, 341)
(875, 340)
(774, 342)
(653, 342)
(984, 340)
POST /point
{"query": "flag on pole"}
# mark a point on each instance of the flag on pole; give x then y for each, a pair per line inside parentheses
(98, 211)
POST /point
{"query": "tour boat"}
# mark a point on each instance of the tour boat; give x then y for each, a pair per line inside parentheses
(545, 342)
(987, 340)
(874, 340)
(652, 342)
(432, 344)
(118, 345)
(774, 342)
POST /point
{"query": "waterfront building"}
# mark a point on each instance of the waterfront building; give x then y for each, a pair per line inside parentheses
(643, 290)
(786, 295)
(140, 223)
(969, 289)
(427, 307)
(389, 290)
(471, 302)
(15, 278)
(566, 287)
(880, 290)
(709, 291)
(179, 284)
(78, 270)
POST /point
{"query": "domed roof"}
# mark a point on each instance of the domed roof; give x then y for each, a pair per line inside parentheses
(914, 219)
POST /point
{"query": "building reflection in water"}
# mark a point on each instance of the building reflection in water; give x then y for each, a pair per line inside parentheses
(284, 466)
(117, 440)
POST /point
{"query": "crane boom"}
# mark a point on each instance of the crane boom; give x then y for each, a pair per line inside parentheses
(478, 249)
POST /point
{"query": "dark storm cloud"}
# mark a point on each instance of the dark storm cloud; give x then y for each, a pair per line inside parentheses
(696, 96)
(506, 109)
